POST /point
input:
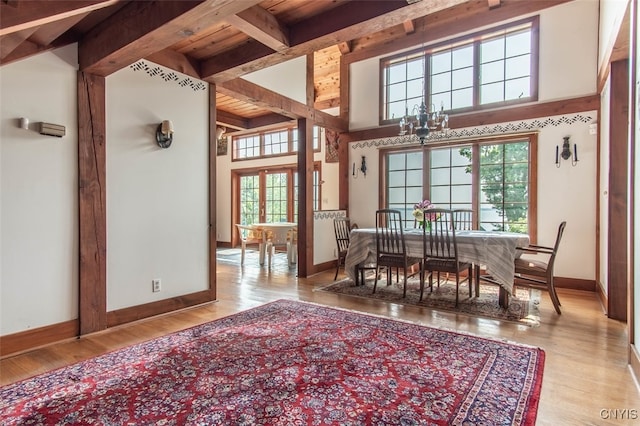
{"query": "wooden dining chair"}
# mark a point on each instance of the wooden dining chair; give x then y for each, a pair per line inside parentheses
(391, 250)
(539, 273)
(249, 235)
(441, 250)
(463, 221)
(342, 229)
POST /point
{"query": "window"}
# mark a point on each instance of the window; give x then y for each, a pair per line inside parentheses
(271, 194)
(487, 69)
(270, 143)
(492, 178)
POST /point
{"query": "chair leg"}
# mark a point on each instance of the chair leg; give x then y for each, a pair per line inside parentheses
(457, 288)
(404, 292)
(553, 294)
(337, 269)
(470, 281)
(242, 254)
(476, 274)
(375, 282)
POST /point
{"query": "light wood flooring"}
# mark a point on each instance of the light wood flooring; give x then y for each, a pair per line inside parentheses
(586, 377)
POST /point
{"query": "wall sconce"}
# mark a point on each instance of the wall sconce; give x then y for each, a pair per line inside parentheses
(565, 154)
(24, 123)
(363, 166)
(164, 134)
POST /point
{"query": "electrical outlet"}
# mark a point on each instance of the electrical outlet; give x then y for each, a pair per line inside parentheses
(155, 285)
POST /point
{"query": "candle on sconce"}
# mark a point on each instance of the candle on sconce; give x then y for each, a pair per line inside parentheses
(575, 152)
(354, 169)
(557, 152)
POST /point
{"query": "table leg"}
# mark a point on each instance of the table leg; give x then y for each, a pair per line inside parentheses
(262, 251)
(503, 298)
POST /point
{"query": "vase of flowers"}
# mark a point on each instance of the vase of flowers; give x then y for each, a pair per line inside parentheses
(418, 213)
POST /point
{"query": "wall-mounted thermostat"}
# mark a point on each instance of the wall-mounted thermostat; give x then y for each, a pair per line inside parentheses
(52, 129)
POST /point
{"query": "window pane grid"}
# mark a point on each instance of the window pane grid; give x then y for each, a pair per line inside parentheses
(279, 142)
(503, 189)
(501, 73)
(276, 197)
(406, 189)
(249, 200)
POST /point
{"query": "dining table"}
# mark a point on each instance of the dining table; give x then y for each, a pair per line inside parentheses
(277, 233)
(495, 250)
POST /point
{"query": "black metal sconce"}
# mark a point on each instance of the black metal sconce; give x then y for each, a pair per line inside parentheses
(565, 154)
(164, 134)
(363, 166)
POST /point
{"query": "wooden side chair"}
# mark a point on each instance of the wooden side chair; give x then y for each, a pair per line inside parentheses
(391, 250)
(441, 250)
(249, 236)
(342, 229)
(538, 273)
(463, 221)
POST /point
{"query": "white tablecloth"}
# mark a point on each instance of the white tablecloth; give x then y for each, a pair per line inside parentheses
(495, 250)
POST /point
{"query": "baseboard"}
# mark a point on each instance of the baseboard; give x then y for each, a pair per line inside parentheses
(134, 313)
(575, 283)
(11, 344)
(320, 267)
(602, 296)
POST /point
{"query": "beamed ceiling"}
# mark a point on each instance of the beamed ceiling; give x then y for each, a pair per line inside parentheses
(219, 41)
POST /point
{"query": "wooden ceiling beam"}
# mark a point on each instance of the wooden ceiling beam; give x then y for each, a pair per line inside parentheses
(29, 14)
(9, 42)
(231, 120)
(267, 120)
(28, 48)
(176, 61)
(46, 34)
(262, 26)
(351, 20)
(265, 98)
(124, 38)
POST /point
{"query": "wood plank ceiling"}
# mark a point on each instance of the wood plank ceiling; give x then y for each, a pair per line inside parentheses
(219, 41)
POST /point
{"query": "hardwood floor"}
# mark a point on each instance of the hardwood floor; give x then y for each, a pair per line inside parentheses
(586, 378)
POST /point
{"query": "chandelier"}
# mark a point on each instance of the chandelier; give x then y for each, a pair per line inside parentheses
(424, 122)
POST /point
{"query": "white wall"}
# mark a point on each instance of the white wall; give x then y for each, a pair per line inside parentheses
(157, 208)
(288, 78)
(568, 57)
(611, 16)
(38, 199)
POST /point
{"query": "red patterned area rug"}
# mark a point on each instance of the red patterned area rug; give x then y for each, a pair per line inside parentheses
(291, 363)
(523, 307)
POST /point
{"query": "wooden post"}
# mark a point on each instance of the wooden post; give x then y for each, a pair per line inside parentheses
(92, 203)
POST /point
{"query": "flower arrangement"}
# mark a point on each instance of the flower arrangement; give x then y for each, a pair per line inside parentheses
(418, 213)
